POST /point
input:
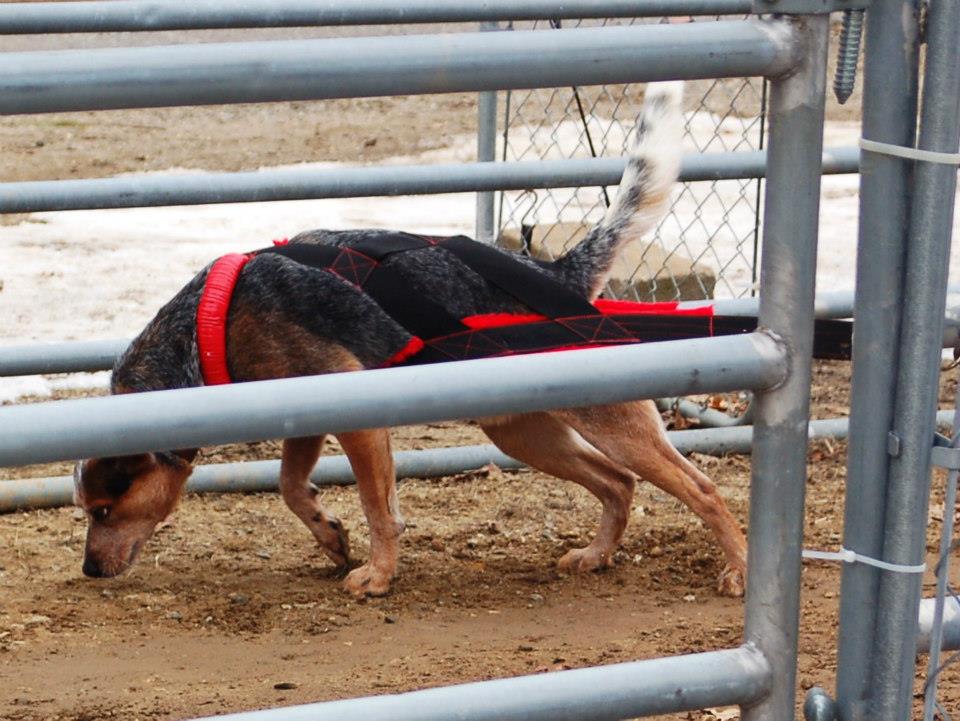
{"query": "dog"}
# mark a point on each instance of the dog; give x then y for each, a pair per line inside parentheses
(288, 319)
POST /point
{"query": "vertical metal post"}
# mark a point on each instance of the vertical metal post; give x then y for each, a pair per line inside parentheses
(486, 152)
(925, 288)
(889, 115)
(787, 276)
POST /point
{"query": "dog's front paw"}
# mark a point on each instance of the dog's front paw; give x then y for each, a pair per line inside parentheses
(732, 581)
(367, 580)
(581, 560)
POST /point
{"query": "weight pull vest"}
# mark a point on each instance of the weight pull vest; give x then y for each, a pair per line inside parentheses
(557, 317)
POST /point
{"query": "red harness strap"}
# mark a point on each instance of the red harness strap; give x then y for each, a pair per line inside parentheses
(212, 317)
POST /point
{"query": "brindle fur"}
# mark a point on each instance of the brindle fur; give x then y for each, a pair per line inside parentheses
(288, 319)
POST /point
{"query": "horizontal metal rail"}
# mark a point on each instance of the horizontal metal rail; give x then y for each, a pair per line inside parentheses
(313, 183)
(67, 357)
(151, 15)
(184, 418)
(99, 355)
(259, 476)
(600, 693)
(951, 624)
(212, 73)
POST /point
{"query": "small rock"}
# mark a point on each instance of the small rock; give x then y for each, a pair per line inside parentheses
(36, 620)
(175, 616)
(536, 597)
(265, 555)
(689, 598)
(106, 593)
(525, 647)
(239, 599)
(285, 686)
(655, 552)
(389, 619)
(437, 545)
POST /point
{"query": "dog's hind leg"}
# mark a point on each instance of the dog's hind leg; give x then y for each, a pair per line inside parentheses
(303, 498)
(372, 462)
(548, 444)
(632, 434)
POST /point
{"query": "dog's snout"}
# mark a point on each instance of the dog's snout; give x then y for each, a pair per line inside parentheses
(92, 568)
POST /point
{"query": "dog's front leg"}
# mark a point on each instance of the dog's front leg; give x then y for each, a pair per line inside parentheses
(372, 463)
(303, 498)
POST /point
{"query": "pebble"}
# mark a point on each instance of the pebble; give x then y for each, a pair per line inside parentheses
(389, 619)
(36, 620)
(175, 616)
(239, 599)
(265, 555)
(285, 686)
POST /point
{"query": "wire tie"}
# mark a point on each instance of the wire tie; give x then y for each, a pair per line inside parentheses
(845, 555)
(900, 151)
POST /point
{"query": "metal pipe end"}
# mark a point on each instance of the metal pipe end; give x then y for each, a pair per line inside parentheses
(819, 706)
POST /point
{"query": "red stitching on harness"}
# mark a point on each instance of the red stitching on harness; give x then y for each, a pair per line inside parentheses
(212, 317)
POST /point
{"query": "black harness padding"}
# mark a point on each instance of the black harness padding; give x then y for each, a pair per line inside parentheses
(570, 320)
(533, 288)
(361, 264)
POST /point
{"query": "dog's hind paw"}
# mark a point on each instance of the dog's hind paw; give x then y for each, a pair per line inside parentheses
(732, 582)
(582, 560)
(367, 581)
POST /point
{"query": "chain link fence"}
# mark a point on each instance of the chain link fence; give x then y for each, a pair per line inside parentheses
(706, 246)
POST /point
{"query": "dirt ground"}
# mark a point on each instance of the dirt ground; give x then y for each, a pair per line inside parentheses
(233, 608)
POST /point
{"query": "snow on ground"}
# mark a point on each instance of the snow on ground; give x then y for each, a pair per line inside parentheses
(103, 273)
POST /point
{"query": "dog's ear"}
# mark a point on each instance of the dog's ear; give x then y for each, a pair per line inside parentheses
(187, 454)
(117, 473)
(132, 465)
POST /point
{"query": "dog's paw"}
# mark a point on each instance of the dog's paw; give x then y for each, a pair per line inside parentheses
(367, 581)
(732, 581)
(333, 538)
(582, 560)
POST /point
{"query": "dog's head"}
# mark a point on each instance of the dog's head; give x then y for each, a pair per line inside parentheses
(125, 498)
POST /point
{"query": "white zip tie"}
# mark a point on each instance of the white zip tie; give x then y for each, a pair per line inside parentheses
(900, 151)
(847, 556)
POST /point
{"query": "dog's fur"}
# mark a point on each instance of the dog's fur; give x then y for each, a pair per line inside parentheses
(287, 319)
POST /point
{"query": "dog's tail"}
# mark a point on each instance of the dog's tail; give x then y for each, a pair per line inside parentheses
(641, 199)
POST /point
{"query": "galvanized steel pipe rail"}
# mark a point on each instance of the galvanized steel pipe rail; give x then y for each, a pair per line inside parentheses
(891, 59)
(601, 693)
(313, 183)
(259, 476)
(933, 195)
(213, 73)
(99, 355)
(788, 272)
(293, 407)
(143, 15)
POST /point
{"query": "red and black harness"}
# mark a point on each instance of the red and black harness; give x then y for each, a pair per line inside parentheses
(558, 318)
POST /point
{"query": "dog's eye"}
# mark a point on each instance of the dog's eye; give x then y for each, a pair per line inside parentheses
(100, 513)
